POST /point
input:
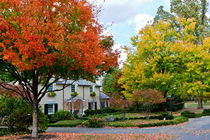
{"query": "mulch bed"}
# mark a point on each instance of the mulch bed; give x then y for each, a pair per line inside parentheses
(82, 136)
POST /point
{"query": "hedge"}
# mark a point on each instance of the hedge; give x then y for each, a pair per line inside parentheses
(66, 123)
(177, 120)
(189, 114)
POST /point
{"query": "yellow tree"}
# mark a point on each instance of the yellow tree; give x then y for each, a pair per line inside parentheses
(162, 58)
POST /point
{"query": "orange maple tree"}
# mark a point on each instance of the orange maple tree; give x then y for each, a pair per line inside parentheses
(45, 39)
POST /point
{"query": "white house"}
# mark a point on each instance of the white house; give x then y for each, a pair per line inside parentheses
(63, 100)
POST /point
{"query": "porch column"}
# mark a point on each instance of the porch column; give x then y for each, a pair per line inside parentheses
(72, 104)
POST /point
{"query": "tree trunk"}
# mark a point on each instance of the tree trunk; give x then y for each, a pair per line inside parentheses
(200, 103)
(35, 120)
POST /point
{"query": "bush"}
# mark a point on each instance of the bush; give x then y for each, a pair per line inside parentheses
(206, 112)
(177, 120)
(94, 122)
(17, 114)
(60, 115)
(93, 94)
(42, 121)
(109, 110)
(74, 94)
(66, 123)
(89, 112)
(177, 104)
(166, 116)
(51, 94)
(188, 114)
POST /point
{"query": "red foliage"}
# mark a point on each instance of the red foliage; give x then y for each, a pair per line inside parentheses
(52, 32)
(9, 93)
(149, 96)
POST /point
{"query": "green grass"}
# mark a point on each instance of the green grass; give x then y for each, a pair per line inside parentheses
(147, 123)
(66, 123)
(193, 104)
(129, 115)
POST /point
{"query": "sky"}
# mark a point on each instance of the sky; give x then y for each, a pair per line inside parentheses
(124, 18)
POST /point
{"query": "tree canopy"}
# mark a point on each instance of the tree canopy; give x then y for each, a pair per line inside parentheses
(166, 59)
(42, 41)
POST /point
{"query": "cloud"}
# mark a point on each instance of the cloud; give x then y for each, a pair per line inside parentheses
(123, 55)
(141, 20)
(119, 11)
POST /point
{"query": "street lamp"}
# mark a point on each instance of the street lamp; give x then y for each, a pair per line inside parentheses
(169, 96)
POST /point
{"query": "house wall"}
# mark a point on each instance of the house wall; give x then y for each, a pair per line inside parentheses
(58, 99)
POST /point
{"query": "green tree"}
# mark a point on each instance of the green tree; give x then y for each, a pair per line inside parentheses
(162, 58)
(110, 81)
(196, 9)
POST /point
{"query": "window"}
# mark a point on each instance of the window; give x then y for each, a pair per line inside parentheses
(50, 108)
(50, 88)
(92, 105)
(73, 88)
(104, 104)
(91, 89)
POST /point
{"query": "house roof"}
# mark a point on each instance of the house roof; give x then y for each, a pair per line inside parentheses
(80, 82)
(83, 82)
(62, 82)
(103, 96)
(75, 99)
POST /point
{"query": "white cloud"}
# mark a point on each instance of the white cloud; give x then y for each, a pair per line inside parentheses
(119, 10)
(123, 55)
(141, 20)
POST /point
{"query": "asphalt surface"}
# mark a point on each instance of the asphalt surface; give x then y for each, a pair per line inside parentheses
(194, 129)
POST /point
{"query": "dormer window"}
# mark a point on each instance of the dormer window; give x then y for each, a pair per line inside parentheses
(73, 88)
(50, 88)
(91, 89)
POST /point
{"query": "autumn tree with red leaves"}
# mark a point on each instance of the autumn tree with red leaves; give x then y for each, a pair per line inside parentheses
(50, 39)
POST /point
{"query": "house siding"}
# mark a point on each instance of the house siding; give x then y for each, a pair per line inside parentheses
(58, 99)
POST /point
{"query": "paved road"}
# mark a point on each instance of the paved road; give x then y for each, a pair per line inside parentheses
(195, 129)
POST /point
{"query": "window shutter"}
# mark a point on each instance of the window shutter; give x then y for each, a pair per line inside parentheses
(46, 109)
(56, 107)
(89, 105)
(107, 104)
(95, 105)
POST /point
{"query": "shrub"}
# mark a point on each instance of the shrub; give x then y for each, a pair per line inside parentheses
(94, 122)
(177, 120)
(66, 123)
(51, 94)
(93, 94)
(74, 94)
(42, 121)
(188, 114)
(109, 110)
(61, 115)
(206, 112)
(89, 112)
(166, 116)
(17, 114)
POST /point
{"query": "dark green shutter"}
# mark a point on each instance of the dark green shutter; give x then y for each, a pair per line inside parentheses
(46, 109)
(89, 105)
(95, 105)
(56, 108)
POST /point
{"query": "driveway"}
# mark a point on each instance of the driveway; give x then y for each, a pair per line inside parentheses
(195, 129)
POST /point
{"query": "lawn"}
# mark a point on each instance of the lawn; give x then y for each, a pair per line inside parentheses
(193, 104)
(66, 123)
(134, 123)
(129, 115)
